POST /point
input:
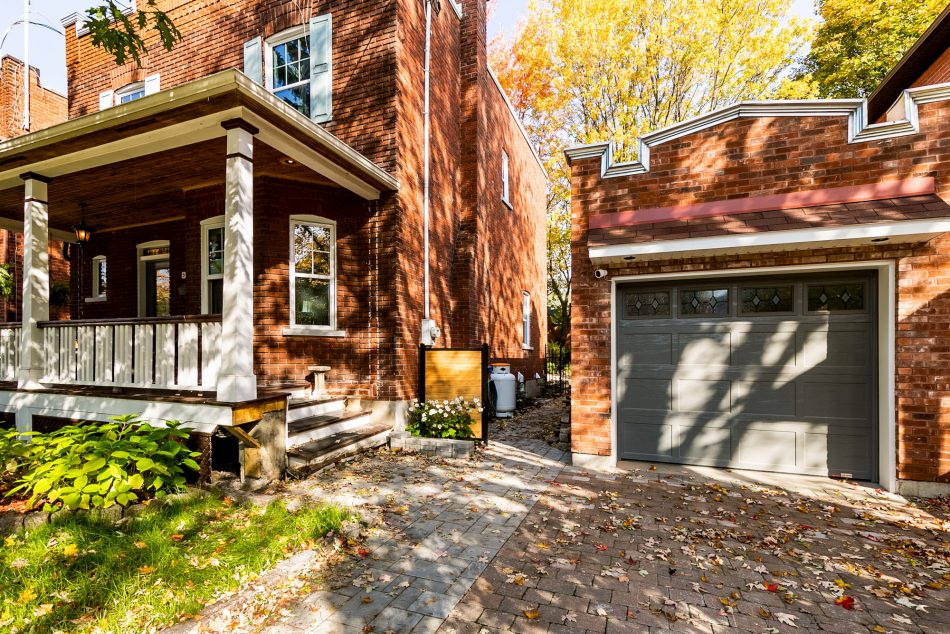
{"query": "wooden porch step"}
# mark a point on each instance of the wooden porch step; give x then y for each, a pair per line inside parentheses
(297, 403)
(317, 454)
(303, 408)
(306, 429)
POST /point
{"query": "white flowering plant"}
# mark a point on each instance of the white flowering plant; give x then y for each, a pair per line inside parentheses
(442, 419)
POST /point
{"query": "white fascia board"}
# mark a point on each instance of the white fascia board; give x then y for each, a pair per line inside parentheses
(200, 417)
(795, 239)
(859, 128)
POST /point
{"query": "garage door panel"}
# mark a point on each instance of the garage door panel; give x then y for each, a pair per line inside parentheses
(647, 349)
(771, 449)
(703, 395)
(705, 349)
(835, 398)
(765, 349)
(776, 397)
(649, 394)
(790, 392)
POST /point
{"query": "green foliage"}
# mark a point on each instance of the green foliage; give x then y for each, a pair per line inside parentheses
(14, 456)
(7, 283)
(442, 419)
(96, 465)
(859, 41)
(83, 572)
(120, 33)
(59, 294)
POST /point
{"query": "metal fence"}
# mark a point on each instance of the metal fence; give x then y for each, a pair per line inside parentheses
(557, 362)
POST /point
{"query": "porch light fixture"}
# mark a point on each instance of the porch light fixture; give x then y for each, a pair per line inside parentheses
(288, 161)
(82, 230)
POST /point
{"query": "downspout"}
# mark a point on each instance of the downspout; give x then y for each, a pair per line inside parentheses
(430, 332)
(26, 64)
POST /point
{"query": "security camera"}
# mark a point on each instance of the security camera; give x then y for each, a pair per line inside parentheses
(600, 273)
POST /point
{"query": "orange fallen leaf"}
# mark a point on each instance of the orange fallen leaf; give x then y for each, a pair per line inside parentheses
(846, 602)
(771, 587)
(177, 537)
(146, 570)
(531, 615)
(600, 547)
(140, 544)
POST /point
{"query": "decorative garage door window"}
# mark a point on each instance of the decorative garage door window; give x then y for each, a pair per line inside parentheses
(713, 302)
(835, 297)
(767, 299)
(646, 304)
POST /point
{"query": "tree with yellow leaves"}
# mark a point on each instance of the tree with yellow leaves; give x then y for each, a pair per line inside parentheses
(580, 71)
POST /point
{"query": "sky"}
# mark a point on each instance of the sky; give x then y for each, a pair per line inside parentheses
(48, 52)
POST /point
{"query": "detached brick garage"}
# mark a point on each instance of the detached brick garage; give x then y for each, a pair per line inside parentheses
(769, 287)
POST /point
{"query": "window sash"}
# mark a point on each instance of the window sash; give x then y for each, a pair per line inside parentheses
(328, 278)
(99, 275)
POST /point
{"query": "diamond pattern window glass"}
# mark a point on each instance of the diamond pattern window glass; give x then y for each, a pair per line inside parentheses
(767, 299)
(835, 297)
(713, 302)
(646, 304)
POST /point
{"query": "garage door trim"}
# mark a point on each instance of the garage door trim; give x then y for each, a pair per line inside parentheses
(886, 309)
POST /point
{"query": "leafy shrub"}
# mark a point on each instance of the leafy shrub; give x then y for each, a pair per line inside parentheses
(98, 465)
(7, 282)
(14, 456)
(59, 294)
(442, 419)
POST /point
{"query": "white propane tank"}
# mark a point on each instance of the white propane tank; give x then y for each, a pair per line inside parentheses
(506, 386)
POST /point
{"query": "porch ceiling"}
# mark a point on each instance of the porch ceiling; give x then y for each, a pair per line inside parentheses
(120, 194)
(170, 141)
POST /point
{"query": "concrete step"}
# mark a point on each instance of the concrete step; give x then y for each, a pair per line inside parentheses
(317, 454)
(304, 430)
(301, 408)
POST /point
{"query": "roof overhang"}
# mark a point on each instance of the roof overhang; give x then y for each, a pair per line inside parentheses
(911, 231)
(184, 115)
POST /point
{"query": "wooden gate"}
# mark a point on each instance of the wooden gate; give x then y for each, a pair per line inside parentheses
(448, 373)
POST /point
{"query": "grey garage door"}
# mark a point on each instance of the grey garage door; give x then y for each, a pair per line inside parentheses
(772, 374)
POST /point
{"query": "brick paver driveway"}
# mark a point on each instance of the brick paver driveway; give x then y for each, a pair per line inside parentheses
(713, 551)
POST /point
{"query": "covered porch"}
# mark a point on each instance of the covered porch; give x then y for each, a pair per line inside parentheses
(199, 199)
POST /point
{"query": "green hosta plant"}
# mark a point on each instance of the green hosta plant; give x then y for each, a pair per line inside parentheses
(98, 465)
(14, 456)
(442, 419)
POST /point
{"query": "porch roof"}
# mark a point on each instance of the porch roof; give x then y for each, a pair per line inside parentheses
(87, 149)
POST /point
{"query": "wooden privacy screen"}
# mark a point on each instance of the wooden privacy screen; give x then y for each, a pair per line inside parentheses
(447, 373)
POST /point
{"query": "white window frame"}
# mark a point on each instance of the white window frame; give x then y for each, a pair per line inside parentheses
(329, 329)
(526, 313)
(97, 294)
(140, 266)
(216, 222)
(293, 33)
(505, 178)
(129, 89)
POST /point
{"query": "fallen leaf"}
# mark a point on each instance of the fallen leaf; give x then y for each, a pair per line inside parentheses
(600, 547)
(531, 615)
(786, 619)
(845, 601)
(26, 596)
(140, 544)
(367, 600)
(71, 550)
(177, 537)
(146, 570)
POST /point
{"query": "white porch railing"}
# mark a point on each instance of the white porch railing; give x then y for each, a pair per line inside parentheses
(181, 353)
(9, 351)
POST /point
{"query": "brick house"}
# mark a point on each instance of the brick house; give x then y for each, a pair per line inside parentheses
(768, 286)
(271, 208)
(47, 107)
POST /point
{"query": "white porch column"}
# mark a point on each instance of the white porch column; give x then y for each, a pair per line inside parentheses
(236, 380)
(35, 279)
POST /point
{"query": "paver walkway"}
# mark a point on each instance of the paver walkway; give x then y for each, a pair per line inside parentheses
(693, 550)
(445, 520)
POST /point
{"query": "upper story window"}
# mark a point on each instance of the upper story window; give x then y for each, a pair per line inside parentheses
(130, 93)
(297, 66)
(505, 179)
(313, 272)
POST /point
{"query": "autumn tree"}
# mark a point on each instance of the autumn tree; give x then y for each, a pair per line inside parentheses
(859, 41)
(119, 31)
(580, 71)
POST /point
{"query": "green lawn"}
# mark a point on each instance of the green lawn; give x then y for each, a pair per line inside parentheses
(81, 573)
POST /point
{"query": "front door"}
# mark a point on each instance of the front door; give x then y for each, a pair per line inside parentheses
(158, 290)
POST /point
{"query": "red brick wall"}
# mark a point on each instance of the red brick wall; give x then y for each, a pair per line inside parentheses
(11, 252)
(754, 157)
(47, 107)
(938, 73)
(378, 50)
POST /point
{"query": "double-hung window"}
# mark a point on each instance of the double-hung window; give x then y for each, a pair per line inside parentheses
(526, 320)
(505, 179)
(212, 265)
(99, 278)
(313, 272)
(297, 66)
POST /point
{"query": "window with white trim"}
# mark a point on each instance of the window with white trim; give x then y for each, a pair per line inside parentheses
(525, 319)
(313, 272)
(297, 66)
(99, 277)
(505, 180)
(212, 265)
(129, 93)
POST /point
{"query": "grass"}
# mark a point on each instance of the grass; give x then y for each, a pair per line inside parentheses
(84, 573)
